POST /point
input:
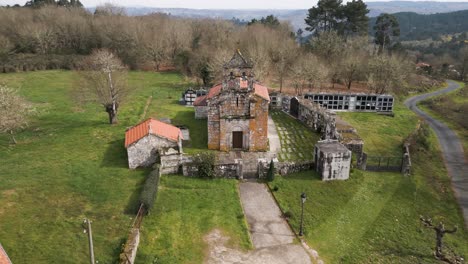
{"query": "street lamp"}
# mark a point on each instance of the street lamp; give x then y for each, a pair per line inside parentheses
(303, 199)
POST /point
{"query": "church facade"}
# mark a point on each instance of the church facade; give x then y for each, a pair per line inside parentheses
(237, 109)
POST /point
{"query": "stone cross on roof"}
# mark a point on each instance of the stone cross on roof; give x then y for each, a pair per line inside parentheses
(237, 61)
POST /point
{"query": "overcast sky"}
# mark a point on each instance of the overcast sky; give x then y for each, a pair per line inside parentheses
(209, 4)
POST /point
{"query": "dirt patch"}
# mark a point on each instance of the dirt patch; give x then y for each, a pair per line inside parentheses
(9, 193)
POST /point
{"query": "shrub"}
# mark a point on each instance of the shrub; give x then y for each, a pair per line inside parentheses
(150, 190)
(271, 172)
(205, 164)
(422, 136)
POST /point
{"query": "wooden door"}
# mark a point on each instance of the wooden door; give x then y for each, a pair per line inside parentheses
(237, 140)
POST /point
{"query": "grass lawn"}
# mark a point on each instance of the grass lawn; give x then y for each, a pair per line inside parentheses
(452, 109)
(383, 135)
(70, 164)
(374, 217)
(186, 210)
(297, 141)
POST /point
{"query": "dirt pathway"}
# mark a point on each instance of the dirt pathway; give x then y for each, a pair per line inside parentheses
(452, 149)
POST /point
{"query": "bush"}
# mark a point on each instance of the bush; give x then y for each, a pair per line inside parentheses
(422, 136)
(205, 164)
(150, 190)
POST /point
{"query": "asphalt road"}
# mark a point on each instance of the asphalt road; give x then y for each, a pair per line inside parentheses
(452, 149)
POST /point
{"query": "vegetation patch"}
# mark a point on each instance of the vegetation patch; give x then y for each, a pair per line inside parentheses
(71, 164)
(186, 211)
(374, 217)
(297, 140)
(383, 135)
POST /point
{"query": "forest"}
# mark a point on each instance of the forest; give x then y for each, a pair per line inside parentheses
(59, 36)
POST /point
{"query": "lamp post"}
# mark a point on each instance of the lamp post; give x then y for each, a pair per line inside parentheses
(303, 199)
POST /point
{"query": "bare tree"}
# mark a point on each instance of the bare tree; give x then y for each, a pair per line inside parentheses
(105, 77)
(387, 73)
(14, 111)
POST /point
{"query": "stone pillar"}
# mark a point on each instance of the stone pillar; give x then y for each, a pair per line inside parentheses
(362, 161)
(240, 174)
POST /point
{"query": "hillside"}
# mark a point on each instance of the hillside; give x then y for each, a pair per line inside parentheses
(415, 26)
(296, 16)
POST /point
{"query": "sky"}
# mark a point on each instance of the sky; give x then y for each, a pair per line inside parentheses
(209, 4)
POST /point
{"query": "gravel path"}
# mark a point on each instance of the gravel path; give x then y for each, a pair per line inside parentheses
(452, 149)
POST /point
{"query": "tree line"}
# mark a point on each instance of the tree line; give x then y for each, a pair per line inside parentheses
(52, 36)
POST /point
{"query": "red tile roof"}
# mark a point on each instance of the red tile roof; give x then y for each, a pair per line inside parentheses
(214, 91)
(200, 101)
(261, 91)
(4, 259)
(154, 127)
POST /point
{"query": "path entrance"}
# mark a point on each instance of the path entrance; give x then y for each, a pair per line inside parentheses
(267, 227)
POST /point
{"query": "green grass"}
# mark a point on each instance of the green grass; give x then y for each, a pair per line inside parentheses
(451, 109)
(374, 217)
(297, 141)
(383, 135)
(70, 164)
(186, 210)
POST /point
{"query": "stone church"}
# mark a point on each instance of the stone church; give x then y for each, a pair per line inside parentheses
(237, 109)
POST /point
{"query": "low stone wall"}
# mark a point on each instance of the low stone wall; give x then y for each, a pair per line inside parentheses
(406, 162)
(130, 249)
(283, 168)
(231, 170)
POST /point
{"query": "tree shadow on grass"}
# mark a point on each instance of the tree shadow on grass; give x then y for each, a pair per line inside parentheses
(304, 175)
(115, 155)
(134, 202)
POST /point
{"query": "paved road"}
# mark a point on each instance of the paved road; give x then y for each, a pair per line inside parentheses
(452, 149)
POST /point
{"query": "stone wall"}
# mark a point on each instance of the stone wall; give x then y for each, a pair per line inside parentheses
(283, 168)
(318, 119)
(201, 112)
(130, 249)
(144, 153)
(231, 170)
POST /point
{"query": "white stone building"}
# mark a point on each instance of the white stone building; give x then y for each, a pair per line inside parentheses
(146, 141)
(332, 160)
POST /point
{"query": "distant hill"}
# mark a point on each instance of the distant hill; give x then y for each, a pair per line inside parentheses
(297, 16)
(421, 7)
(419, 27)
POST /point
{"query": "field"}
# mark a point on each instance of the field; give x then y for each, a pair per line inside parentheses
(186, 210)
(452, 109)
(70, 164)
(374, 217)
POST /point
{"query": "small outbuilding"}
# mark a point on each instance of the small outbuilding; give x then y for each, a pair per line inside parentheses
(4, 259)
(147, 140)
(201, 107)
(332, 160)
